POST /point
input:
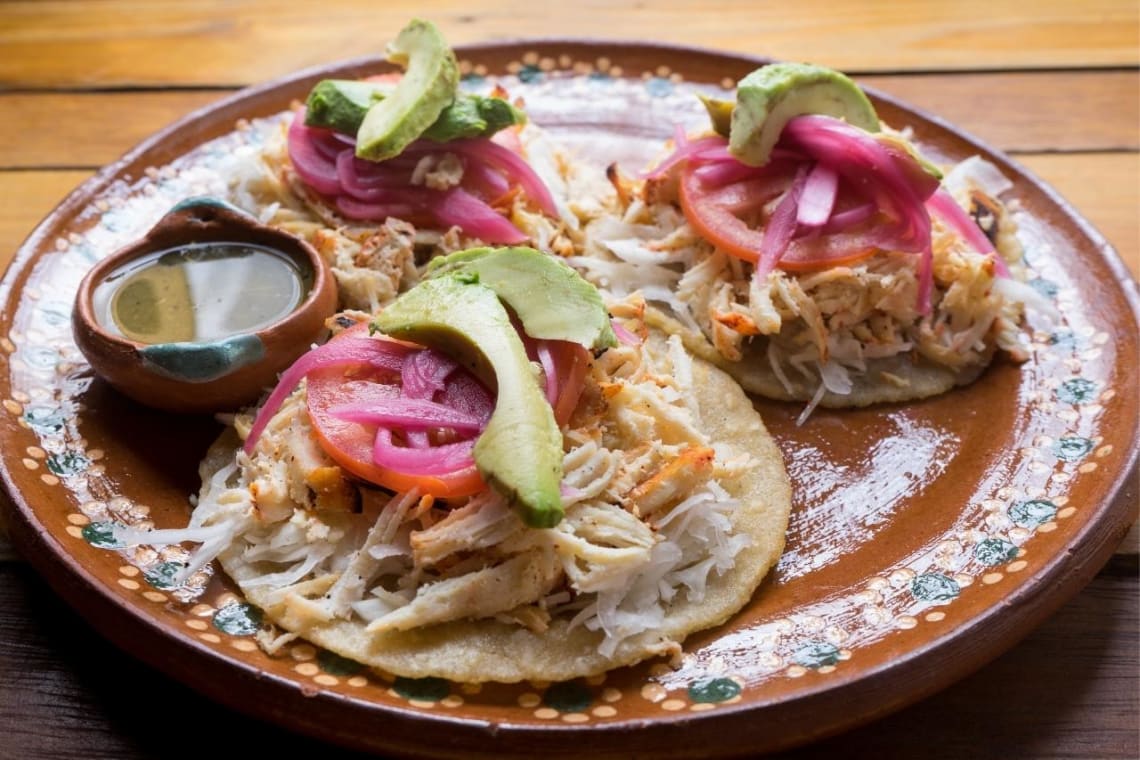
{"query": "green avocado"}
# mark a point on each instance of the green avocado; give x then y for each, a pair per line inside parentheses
(519, 453)
(899, 144)
(550, 299)
(341, 105)
(473, 116)
(429, 84)
(720, 113)
(774, 94)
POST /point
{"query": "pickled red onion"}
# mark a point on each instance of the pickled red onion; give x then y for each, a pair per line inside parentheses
(433, 393)
(623, 335)
(546, 359)
(344, 352)
(406, 413)
(843, 178)
(437, 460)
(374, 191)
(425, 372)
(818, 196)
(781, 226)
(943, 205)
(459, 208)
(317, 170)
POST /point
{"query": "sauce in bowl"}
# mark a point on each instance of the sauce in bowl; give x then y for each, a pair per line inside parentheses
(200, 292)
(202, 313)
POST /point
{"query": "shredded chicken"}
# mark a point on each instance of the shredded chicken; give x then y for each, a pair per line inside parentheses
(643, 522)
(818, 325)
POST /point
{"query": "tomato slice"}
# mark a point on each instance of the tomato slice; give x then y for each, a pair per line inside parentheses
(713, 213)
(714, 220)
(350, 444)
(571, 362)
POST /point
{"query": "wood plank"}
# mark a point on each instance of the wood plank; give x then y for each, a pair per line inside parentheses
(1105, 188)
(1017, 113)
(224, 42)
(27, 197)
(1022, 112)
(1069, 690)
(88, 130)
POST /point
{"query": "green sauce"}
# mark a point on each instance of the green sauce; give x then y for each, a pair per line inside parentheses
(200, 292)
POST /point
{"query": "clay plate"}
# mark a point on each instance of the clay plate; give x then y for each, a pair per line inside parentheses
(925, 538)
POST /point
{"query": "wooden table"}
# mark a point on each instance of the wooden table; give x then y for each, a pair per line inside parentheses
(1054, 83)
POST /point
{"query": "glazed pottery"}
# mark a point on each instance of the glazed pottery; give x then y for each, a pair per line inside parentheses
(925, 538)
(224, 373)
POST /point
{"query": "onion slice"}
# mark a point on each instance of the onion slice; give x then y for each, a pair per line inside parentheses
(344, 352)
(459, 208)
(374, 191)
(405, 413)
(315, 168)
(943, 205)
(437, 460)
(818, 198)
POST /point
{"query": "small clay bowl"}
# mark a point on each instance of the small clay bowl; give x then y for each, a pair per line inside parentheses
(220, 371)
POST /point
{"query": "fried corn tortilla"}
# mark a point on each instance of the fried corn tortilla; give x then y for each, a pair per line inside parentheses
(714, 416)
(893, 379)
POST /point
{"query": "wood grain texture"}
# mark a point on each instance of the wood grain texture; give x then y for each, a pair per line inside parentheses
(28, 196)
(66, 693)
(1105, 187)
(87, 129)
(121, 43)
(1023, 112)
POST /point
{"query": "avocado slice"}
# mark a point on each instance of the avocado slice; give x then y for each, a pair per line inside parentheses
(473, 115)
(341, 105)
(901, 145)
(429, 84)
(771, 96)
(550, 299)
(519, 453)
(720, 113)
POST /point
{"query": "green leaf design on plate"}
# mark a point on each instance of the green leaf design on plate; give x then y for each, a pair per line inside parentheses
(44, 419)
(816, 654)
(238, 619)
(67, 463)
(1072, 448)
(335, 665)
(1063, 338)
(1047, 288)
(1030, 514)
(422, 689)
(164, 575)
(101, 535)
(716, 689)
(934, 587)
(1077, 390)
(568, 696)
(995, 551)
(530, 74)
